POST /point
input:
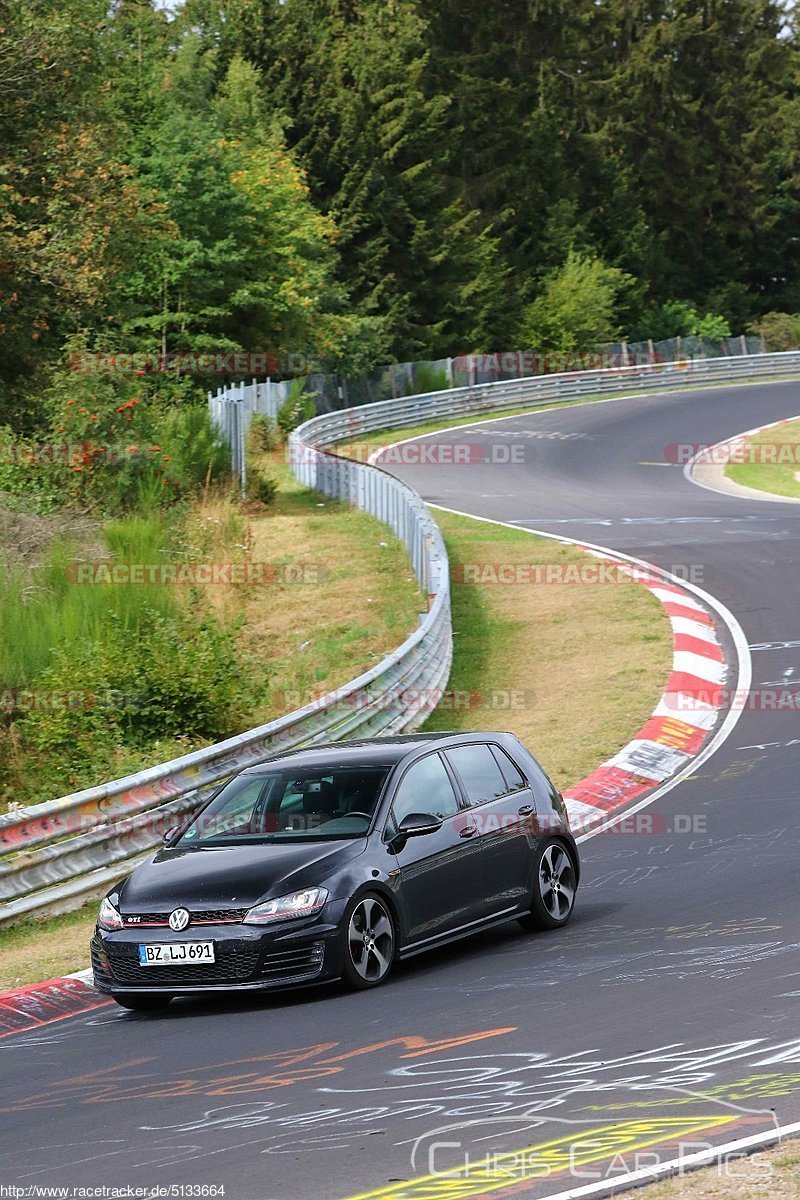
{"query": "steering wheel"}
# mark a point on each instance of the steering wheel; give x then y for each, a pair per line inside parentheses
(366, 816)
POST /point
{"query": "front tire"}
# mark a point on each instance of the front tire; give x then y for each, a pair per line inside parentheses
(369, 942)
(554, 886)
(140, 1003)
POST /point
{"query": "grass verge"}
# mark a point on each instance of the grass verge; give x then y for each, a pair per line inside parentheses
(34, 951)
(769, 1173)
(573, 669)
(356, 600)
(781, 478)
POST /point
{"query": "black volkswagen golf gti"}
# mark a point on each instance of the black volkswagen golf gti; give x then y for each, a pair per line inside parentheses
(333, 862)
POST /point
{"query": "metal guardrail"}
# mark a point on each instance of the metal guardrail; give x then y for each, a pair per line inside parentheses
(539, 390)
(56, 854)
(53, 855)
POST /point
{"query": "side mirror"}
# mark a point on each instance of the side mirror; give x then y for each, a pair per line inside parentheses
(169, 834)
(417, 824)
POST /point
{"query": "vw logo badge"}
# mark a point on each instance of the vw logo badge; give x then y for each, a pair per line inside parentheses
(178, 920)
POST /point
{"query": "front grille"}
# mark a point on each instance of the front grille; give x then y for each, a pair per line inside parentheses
(99, 963)
(209, 916)
(235, 963)
(284, 966)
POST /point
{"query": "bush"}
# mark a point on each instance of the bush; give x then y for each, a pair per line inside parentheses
(427, 378)
(112, 446)
(263, 434)
(261, 487)
(179, 677)
(780, 331)
(193, 451)
(576, 309)
(679, 318)
(712, 327)
(297, 407)
(42, 610)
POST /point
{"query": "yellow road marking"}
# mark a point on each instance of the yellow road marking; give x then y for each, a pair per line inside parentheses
(509, 1169)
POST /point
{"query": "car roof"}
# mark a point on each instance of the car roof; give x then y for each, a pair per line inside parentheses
(380, 751)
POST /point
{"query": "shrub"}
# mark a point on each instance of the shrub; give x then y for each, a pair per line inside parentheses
(263, 434)
(297, 407)
(179, 677)
(711, 327)
(679, 318)
(780, 331)
(427, 378)
(261, 487)
(44, 609)
(576, 309)
(193, 451)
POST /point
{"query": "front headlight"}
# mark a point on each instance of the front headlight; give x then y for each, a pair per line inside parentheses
(297, 904)
(108, 917)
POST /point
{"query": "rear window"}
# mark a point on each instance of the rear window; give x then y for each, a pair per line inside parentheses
(513, 776)
(479, 772)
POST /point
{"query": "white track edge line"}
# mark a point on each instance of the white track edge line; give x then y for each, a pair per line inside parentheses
(688, 470)
(703, 1158)
(745, 672)
(744, 661)
(584, 402)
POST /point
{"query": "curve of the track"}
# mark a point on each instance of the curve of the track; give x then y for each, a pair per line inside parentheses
(665, 1013)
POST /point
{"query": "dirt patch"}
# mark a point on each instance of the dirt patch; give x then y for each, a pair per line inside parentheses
(26, 537)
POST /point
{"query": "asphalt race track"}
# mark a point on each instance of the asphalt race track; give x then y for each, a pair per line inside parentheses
(663, 1019)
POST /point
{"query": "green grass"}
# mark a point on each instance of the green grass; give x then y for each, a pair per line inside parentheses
(42, 608)
(778, 478)
(573, 669)
(37, 950)
(317, 638)
(772, 1174)
(294, 641)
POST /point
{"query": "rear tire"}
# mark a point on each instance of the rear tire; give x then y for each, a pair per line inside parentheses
(554, 887)
(140, 1003)
(369, 942)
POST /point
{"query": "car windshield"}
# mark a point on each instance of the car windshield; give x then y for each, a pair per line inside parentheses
(290, 804)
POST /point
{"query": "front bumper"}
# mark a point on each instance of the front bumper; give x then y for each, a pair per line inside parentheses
(247, 957)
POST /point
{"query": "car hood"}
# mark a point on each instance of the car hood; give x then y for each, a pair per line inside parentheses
(231, 876)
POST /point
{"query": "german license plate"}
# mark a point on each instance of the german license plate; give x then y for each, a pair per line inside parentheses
(175, 954)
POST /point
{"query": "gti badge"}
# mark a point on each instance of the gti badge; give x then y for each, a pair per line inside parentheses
(178, 920)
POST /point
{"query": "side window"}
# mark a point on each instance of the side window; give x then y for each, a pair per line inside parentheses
(513, 776)
(425, 788)
(479, 772)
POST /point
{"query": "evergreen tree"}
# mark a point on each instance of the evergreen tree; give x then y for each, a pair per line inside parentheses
(352, 82)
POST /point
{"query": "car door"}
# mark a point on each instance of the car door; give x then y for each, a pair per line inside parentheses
(502, 806)
(439, 872)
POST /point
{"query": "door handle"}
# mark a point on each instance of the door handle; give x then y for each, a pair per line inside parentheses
(468, 831)
(526, 808)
